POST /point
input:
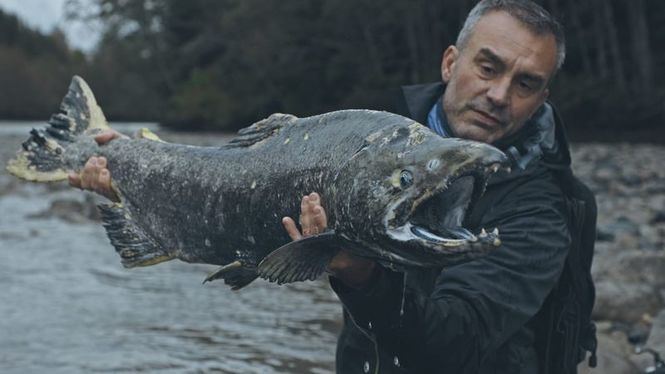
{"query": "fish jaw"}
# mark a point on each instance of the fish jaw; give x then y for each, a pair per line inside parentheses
(424, 248)
(425, 226)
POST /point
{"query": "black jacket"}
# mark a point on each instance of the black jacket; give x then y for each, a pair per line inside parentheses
(475, 317)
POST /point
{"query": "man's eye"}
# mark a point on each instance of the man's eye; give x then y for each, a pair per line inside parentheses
(526, 87)
(487, 70)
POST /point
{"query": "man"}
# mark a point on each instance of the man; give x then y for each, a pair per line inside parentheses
(477, 317)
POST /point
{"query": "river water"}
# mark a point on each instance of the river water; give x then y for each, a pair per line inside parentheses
(68, 306)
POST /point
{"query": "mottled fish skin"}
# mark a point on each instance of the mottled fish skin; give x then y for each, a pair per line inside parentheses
(223, 204)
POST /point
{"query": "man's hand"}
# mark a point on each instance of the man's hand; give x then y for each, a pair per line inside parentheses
(95, 176)
(352, 270)
(313, 219)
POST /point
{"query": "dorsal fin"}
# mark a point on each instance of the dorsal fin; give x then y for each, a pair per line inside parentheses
(261, 130)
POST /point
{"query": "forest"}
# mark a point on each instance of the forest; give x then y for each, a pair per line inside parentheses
(223, 64)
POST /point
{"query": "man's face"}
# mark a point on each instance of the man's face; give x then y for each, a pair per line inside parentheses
(498, 80)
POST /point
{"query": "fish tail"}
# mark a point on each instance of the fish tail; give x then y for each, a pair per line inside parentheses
(44, 155)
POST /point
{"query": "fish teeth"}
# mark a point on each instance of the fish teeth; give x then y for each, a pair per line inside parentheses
(483, 233)
(495, 231)
(454, 243)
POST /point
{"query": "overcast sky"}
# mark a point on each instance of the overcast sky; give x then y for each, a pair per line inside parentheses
(47, 14)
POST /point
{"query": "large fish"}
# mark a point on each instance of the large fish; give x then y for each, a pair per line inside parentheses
(393, 190)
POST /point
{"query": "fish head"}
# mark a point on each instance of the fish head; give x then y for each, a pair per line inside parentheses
(417, 188)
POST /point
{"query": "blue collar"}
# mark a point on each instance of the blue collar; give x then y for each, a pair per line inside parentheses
(437, 121)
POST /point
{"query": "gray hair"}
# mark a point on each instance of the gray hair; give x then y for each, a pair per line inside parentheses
(530, 14)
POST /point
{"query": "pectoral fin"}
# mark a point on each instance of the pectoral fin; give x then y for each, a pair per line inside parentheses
(300, 260)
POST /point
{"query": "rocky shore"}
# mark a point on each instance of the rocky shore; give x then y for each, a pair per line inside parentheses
(629, 265)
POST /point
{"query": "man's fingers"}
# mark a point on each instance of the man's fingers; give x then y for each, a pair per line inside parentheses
(306, 216)
(92, 178)
(312, 218)
(304, 203)
(106, 136)
(85, 175)
(89, 170)
(314, 198)
(291, 228)
(90, 163)
(304, 219)
(74, 180)
(91, 173)
(320, 218)
(104, 180)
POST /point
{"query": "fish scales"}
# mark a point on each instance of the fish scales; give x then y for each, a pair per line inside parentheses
(149, 173)
(223, 205)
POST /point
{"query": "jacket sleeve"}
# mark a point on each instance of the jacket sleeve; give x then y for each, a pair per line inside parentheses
(474, 307)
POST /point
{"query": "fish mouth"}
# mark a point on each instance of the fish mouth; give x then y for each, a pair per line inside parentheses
(435, 222)
(439, 218)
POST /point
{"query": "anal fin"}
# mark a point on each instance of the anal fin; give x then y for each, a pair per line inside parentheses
(300, 260)
(234, 274)
(133, 244)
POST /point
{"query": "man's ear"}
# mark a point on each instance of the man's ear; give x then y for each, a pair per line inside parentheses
(448, 62)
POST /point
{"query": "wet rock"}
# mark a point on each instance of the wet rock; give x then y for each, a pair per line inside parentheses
(613, 356)
(632, 180)
(627, 241)
(642, 360)
(658, 217)
(604, 235)
(625, 302)
(629, 284)
(623, 224)
(656, 342)
(638, 333)
(637, 266)
(656, 339)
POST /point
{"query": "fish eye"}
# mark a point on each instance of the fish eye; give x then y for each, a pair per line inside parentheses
(405, 179)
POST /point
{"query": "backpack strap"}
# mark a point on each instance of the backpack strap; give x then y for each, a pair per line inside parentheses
(583, 212)
(564, 327)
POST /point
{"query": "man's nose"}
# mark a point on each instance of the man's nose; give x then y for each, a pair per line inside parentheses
(499, 92)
